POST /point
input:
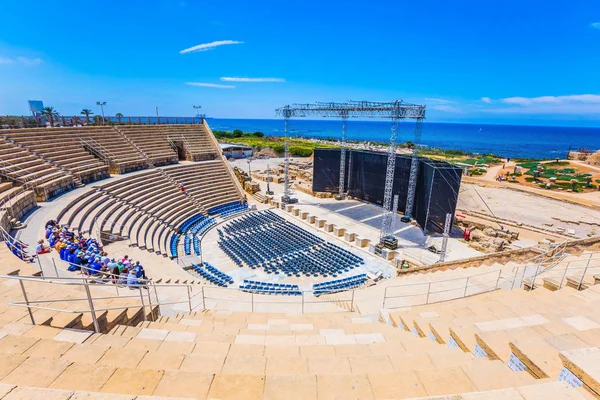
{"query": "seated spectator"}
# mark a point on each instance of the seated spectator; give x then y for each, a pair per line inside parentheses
(95, 267)
(140, 272)
(41, 249)
(123, 277)
(17, 249)
(131, 278)
(76, 262)
(114, 272)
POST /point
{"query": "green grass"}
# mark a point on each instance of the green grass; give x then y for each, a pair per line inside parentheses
(564, 174)
(531, 165)
(298, 147)
(481, 160)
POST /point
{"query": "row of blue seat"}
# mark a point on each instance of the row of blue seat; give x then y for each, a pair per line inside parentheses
(226, 207)
(361, 277)
(191, 221)
(270, 290)
(234, 210)
(269, 284)
(250, 221)
(202, 226)
(219, 279)
(217, 272)
(173, 244)
(339, 285)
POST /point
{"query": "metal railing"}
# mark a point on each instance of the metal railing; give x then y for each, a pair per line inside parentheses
(99, 150)
(438, 291)
(27, 180)
(21, 121)
(560, 269)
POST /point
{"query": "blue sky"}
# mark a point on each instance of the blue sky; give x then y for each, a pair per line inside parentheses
(526, 61)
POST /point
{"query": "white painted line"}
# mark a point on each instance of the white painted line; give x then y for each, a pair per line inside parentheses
(403, 229)
(370, 218)
(351, 207)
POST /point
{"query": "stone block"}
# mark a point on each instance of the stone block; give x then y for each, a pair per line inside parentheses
(339, 232)
(312, 219)
(361, 242)
(304, 215)
(349, 237)
(329, 227)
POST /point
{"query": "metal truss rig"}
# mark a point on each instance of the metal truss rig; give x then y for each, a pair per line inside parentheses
(395, 110)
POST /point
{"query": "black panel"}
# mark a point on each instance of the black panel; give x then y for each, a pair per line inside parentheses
(438, 182)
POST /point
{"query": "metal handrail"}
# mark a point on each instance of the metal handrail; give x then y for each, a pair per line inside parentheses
(429, 292)
(98, 148)
(26, 182)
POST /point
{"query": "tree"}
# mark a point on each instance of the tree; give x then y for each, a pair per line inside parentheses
(50, 113)
(118, 115)
(238, 133)
(87, 112)
(258, 134)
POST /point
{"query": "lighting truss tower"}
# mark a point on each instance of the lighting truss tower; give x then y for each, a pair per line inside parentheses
(414, 170)
(446, 236)
(395, 110)
(287, 113)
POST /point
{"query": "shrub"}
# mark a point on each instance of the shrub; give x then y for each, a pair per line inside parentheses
(258, 134)
(299, 151)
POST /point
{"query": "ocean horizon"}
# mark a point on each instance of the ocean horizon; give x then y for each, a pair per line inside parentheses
(516, 141)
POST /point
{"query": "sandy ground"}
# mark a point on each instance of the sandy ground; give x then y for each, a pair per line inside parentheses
(527, 208)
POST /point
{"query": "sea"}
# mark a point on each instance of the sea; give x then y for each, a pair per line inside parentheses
(516, 141)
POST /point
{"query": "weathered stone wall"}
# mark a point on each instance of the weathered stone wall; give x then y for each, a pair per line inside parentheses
(54, 188)
(93, 175)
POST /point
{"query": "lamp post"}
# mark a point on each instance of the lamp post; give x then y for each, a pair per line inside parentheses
(249, 171)
(101, 104)
(157, 120)
(197, 108)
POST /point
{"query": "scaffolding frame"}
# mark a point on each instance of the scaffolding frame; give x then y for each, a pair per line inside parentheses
(395, 110)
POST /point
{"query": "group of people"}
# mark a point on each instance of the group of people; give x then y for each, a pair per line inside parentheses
(87, 255)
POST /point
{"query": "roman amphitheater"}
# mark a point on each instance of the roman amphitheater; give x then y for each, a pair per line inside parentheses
(242, 297)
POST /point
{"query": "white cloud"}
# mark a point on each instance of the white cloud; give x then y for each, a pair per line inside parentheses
(447, 108)
(443, 101)
(210, 85)
(595, 25)
(486, 100)
(555, 100)
(21, 60)
(253, 80)
(208, 46)
(29, 61)
(578, 104)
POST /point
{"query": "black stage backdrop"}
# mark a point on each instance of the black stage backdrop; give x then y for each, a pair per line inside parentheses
(438, 182)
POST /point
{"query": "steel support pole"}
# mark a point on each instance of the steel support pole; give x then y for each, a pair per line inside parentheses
(389, 181)
(343, 152)
(92, 310)
(189, 299)
(428, 291)
(55, 268)
(466, 287)
(352, 303)
(26, 301)
(499, 276)
(286, 154)
(302, 302)
(584, 271)
(143, 305)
